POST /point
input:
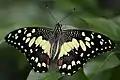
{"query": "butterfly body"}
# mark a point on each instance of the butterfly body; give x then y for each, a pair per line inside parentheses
(71, 48)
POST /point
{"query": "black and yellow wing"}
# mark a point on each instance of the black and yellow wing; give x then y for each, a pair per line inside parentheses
(78, 47)
(34, 42)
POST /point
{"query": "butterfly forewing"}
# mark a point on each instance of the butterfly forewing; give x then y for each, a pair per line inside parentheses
(78, 47)
(34, 42)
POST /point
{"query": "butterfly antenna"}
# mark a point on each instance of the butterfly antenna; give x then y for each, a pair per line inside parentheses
(67, 15)
(49, 11)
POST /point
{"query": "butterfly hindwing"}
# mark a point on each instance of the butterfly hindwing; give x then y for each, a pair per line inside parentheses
(34, 42)
(78, 47)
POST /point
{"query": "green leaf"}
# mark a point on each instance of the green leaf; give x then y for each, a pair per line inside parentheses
(94, 67)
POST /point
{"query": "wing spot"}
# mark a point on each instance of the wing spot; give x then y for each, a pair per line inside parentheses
(19, 44)
(105, 47)
(101, 48)
(36, 49)
(29, 35)
(11, 41)
(73, 63)
(96, 49)
(43, 64)
(23, 38)
(93, 51)
(27, 40)
(63, 73)
(33, 30)
(81, 54)
(109, 41)
(99, 36)
(88, 44)
(92, 36)
(76, 52)
(22, 47)
(36, 60)
(92, 43)
(39, 65)
(31, 51)
(16, 37)
(9, 35)
(25, 50)
(19, 31)
(83, 33)
(14, 42)
(82, 45)
(88, 55)
(64, 66)
(78, 62)
(69, 67)
(32, 41)
(101, 42)
(109, 46)
(69, 74)
(33, 58)
(87, 38)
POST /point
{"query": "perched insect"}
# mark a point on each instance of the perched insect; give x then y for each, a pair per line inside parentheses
(72, 48)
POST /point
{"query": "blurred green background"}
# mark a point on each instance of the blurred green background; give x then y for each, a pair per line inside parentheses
(101, 16)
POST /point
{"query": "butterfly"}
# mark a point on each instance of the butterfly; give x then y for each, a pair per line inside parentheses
(72, 48)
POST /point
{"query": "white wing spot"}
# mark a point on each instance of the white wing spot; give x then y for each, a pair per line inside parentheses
(33, 30)
(109, 46)
(105, 47)
(29, 35)
(39, 65)
(43, 64)
(33, 58)
(92, 36)
(27, 40)
(64, 66)
(31, 51)
(88, 44)
(19, 44)
(11, 41)
(9, 35)
(36, 49)
(69, 74)
(109, 41)
(23, 38)
(99, 36)
(83, 33)
(88, 55)
(76, 52)
(73, 63)
(63, 73)
(93, 51)
(16, 37)
(96, 49)
(87, 38)
(101, 42)
(22, 46)
(92, 43)
(101, 48)
(36, 60)
(81, 54)
(78, 62)
(69, 67)
(25, 50)
(19, 31)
